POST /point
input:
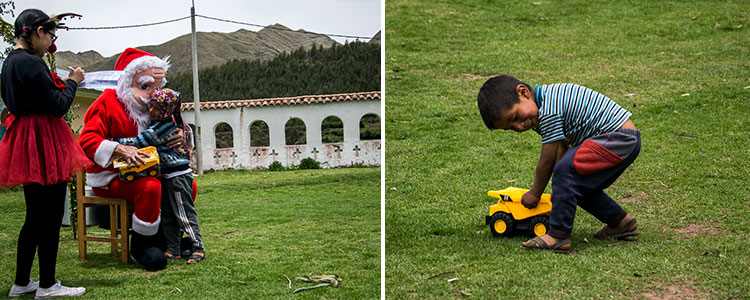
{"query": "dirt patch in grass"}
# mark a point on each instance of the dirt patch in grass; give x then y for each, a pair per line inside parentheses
(684, 290)
(634, 197)
(694, 230)
(470, 76)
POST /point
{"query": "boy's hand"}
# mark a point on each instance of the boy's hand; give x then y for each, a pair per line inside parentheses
(529, 200)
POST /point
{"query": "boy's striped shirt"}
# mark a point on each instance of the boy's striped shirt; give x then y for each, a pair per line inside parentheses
(573, 113)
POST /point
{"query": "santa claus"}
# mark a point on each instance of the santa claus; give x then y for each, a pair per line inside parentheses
(122, 113)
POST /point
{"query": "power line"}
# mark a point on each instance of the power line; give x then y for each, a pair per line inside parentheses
(127, 26)
(216, 19)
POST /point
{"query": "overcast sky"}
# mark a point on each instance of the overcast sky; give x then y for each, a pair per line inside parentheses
(342, 17)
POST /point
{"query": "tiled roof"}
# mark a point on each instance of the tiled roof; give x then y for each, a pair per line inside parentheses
(286, 101)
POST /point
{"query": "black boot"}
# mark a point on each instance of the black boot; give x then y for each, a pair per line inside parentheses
(145, 253)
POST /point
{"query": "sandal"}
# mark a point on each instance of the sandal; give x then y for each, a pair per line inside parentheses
(171, 256)
(608, 232)
(537, 243)
(196, 257)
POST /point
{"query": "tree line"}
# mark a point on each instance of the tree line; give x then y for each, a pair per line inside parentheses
(349, 68)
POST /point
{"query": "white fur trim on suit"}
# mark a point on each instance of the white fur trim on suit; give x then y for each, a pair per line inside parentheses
(145, 228)
(101, 179)
(103, 155)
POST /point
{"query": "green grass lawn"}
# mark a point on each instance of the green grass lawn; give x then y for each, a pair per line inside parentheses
(681, 67)
(257, 227)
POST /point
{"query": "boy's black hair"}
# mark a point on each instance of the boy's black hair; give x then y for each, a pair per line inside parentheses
(498, 94)
(29, 20)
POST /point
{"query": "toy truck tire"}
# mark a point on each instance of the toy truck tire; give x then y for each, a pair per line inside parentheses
(128, 177)
(539, 226)
(501, 224)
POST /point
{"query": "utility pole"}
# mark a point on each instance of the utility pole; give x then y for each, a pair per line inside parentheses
(196, 97)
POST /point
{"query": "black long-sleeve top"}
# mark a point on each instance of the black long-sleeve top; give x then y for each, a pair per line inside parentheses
(27, 86)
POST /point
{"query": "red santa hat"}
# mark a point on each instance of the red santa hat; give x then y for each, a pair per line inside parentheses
(138, 60)
(131, 61)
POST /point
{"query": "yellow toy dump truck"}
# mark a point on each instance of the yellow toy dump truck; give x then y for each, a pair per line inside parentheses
(129, 172)
(509, 214)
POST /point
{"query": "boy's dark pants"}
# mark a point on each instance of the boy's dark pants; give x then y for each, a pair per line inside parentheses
(582, 174)
(178, 213)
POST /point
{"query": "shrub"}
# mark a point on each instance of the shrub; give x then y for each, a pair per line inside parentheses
(276, 166)
(358, 164)
(308, 163)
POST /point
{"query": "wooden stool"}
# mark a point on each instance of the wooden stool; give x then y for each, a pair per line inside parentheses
(117, 206)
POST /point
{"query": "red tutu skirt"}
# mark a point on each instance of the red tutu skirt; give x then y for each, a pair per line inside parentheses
(39, 149)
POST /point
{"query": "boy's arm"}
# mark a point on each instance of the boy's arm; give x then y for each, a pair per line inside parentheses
(547, 159)
(133, 141)
(154, 135)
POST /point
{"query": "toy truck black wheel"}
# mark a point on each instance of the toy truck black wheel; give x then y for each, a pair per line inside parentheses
(153, 172)
(128, 177)
(501, 224)
(539, 226)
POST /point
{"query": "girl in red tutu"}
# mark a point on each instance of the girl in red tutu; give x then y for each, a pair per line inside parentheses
(38, 150)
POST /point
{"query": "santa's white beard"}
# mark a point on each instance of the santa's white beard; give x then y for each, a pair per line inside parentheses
(136, 111)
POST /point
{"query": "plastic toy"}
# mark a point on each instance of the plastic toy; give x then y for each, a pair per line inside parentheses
(129, 172)
(509, 214)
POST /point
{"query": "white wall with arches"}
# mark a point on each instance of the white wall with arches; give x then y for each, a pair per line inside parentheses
(242, 155)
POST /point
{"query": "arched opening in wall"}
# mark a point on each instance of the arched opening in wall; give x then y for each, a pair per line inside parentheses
(192, 131)
(369, 127)
(332, 130)
(295, 132)
(224, 136)
(259, 136)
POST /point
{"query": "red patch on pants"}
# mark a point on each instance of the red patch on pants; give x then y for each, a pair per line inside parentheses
(592, 158)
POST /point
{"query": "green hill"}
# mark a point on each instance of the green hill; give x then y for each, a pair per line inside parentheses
(353, 67)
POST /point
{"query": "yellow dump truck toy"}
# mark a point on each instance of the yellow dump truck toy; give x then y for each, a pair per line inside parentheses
(129, 172)
(509, 214)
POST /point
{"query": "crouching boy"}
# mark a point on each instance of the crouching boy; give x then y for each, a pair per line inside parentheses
(588, 140)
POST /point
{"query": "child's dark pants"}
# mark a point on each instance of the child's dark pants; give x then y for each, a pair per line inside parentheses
(178, 213)
(582, 174)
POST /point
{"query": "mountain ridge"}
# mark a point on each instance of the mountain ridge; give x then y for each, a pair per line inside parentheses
(214, 48)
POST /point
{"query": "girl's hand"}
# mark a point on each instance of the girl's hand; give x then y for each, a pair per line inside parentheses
(76, 73)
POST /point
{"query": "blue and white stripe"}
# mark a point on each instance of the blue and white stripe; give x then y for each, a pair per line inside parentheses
(573, 113)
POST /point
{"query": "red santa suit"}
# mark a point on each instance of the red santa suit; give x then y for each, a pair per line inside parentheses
(116, 114)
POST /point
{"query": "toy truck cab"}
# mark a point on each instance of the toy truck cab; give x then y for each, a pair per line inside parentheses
(509, 214)
(129, 172)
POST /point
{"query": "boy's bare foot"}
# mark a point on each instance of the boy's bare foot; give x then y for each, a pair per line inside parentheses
(626, 228)
(547, 242)
(171, 256)
(627, 219)
(196, 257)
